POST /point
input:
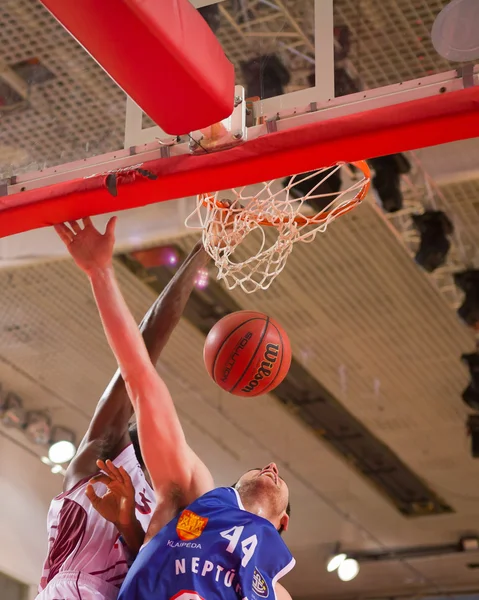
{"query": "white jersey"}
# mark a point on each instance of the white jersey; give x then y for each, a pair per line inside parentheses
(86, 557)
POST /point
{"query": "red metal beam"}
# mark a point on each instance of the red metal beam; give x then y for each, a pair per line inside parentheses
(407, 126)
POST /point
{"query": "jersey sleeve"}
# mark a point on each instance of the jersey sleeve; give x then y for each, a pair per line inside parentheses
(271, 561)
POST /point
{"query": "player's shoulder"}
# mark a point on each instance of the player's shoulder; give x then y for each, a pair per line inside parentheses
(74, 493)
(219, 497)
(226, 501)
(125, 458)
(71, 503)
(229, 494)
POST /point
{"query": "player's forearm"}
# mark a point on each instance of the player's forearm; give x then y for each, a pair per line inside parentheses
(166, 312)
(120, 328)
(160, 431)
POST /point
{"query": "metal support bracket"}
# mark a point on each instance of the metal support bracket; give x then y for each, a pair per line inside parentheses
(467, 74)
(220, 136)
(271, 126)
(165, 151)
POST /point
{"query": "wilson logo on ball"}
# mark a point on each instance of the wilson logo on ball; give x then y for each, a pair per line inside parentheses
(270, 356)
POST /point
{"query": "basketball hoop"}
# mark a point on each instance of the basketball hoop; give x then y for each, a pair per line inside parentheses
(226, 223)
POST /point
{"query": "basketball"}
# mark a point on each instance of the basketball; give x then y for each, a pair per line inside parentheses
(247, 353)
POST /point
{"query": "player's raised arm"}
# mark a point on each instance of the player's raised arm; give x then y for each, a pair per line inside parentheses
(170, 461)
(108, 429)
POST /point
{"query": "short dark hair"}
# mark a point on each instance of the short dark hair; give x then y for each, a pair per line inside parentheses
(133, 431)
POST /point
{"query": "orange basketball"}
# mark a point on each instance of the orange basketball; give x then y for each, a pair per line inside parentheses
(247, 353)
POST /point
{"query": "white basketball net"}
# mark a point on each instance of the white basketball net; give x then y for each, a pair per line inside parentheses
(226, 219)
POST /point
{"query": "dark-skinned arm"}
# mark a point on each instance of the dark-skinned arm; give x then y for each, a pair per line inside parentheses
(107, 434)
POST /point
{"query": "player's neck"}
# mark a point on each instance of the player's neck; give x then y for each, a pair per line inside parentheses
(253, 504)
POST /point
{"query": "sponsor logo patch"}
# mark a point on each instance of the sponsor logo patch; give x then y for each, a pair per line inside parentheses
(190, 525)
(260, 587)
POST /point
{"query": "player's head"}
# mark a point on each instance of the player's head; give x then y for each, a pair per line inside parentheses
(265, 493)
(133, 431)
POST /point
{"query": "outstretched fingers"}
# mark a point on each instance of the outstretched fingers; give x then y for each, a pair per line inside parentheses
(87, 222)
(110, 228)
(65, 233)
(75, 225)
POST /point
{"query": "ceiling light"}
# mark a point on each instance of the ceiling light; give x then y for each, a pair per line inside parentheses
(12, 413)
(159, 256)
(38, 427)
(434, 228)
(319, 189)
(335, 561)
(201, 280)
(473, 431)
(469, 544)
(63, 447)
(468, 282)
(46, 461)
(61, 452)
(57, 469)
(454, 34)
(387, 179)
(348, 569)
(471, 394)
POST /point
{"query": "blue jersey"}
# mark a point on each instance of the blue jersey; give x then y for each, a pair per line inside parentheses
(213, 550)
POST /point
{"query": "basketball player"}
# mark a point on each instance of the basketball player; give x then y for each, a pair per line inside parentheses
(87, 559)
(202, 542)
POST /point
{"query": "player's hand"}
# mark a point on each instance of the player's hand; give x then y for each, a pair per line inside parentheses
(117, 505)
(89, 248)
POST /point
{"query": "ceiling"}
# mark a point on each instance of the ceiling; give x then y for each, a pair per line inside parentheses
(363, 319)
(384, 343)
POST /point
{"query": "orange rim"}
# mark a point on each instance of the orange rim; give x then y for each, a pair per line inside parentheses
(207, 199)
